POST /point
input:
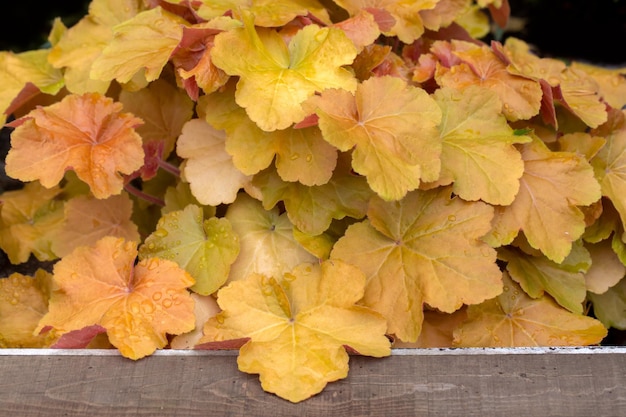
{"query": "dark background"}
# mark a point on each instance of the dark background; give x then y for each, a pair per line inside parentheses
(590, 30)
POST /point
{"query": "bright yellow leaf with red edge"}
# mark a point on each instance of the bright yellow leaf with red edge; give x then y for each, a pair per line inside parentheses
(267, 13)
(298, 325)
(520, 96)
(546, 207)
(425, 248)
(143, 43)
(138, 305)
(275, 77)
(23, 302)
(87, 220)
(514, 319)
(478, 153)
(392, 128)
(87, 134)
(29, 221)
(408, 24)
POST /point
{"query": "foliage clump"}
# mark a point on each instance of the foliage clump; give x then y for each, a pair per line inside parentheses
(303, 180)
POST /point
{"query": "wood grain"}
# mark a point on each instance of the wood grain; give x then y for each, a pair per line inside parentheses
(463, 382)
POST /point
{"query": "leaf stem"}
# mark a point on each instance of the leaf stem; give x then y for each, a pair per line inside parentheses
(166, 166)
(131, 189)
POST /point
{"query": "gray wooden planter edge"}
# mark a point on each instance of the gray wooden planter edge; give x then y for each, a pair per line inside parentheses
(577, 381)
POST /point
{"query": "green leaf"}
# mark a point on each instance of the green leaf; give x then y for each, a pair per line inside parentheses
(206, 249)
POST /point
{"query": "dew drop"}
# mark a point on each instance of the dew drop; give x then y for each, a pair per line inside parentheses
(161, 233)
(14, 301)
(147, 307)
(151, 246)
(157, 296)
(294, 156)
(134, 308)
(220, 319)
(452, 218)
(167, 303)
(309, 158)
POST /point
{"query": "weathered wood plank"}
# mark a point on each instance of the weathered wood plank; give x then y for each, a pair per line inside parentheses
(464, 382)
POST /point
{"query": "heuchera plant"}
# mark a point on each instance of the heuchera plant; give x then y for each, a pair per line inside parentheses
(305, 180)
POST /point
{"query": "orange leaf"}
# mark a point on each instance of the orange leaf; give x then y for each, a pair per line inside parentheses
(137, 304)
(521, 97)
(88, 219)
(87, 134)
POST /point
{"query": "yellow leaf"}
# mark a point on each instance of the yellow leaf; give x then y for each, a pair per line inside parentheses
(581, 95)
(611, 82)
(298, 325)
(17, 70)
(525, 62)
(610, 163)
(144, 42)
(478, 152)
(267, 244)
(513, 319)
(276, 78)
(311, 209)
(300, 155)
(391, 126)
(137, 304)
(537, 274)
(546, 208)
(425, 248)
(87, 134)
(23, 302)
(29, 221)
(267, 13)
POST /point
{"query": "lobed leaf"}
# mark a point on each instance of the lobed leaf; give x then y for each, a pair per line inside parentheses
(392, 129)
(298, 325)
(514, 319)
(425, 248)
(204, 248)
(87, 134)
(275, 78)
(138, 305)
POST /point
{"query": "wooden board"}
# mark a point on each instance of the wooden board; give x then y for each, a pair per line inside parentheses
(430, 382)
